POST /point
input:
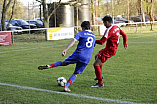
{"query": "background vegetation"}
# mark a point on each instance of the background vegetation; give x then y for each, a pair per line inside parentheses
(101, 8)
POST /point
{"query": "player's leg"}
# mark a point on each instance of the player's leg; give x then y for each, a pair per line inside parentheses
(101, 71)
(96, 56)
(58, 63)
(98, 70)
(69, 82)
(78, 70)
(69, 60)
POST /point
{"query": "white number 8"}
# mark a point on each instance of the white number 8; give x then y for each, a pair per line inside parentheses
(89, 42)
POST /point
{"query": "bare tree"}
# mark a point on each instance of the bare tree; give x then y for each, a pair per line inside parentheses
(12, 13)
(150, 9)
(4, 11)
(46, 13)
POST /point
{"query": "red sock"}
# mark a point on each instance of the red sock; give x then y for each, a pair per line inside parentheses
(52, 65)
(98, 73)
(101, 67)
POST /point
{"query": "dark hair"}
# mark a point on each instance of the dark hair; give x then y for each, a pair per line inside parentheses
(107, 18)
(86, 24)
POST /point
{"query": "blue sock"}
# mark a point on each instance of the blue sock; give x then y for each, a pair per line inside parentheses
(71, 80)
(58, 63)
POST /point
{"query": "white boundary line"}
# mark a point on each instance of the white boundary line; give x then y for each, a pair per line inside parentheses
(70, 94)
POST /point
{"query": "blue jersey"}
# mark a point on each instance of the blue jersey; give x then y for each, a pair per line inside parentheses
(85, 46)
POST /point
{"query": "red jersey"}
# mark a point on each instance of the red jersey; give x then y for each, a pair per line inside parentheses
(111, 35)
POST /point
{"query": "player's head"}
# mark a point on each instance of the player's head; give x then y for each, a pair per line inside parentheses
(107, 18)
(85, 25)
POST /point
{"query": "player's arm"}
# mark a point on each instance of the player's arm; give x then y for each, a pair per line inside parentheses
(124, 39)
(72, 42)
(101, 41)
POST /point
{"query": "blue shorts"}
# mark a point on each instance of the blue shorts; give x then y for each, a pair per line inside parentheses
(79, 65)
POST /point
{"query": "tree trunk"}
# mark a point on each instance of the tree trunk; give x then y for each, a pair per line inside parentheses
(4, 11)
(93, 12)
(45, 14)
(11, 14)
(151, 11)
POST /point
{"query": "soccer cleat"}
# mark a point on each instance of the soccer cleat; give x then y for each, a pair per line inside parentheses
(97, 79)
(98, 85)
(41, 67)
(67, 89)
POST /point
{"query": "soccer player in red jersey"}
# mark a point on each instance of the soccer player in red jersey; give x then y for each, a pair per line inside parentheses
(111, 37)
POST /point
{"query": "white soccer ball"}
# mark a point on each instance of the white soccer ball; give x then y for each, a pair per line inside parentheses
(61, 81)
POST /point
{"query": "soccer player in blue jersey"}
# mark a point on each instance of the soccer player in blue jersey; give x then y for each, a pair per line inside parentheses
(81, 56)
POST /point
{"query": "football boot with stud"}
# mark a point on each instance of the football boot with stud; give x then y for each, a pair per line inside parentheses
(41, 67)
(66, 89)
(98, 85)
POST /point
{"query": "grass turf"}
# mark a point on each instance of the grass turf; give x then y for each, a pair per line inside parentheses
(130, 75)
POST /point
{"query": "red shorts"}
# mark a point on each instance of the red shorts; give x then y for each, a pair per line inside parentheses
(103, 55)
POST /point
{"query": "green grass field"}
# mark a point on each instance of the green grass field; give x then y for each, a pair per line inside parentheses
(129, 77)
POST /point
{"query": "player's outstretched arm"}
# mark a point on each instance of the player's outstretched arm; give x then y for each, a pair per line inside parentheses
(101, 41)
(68, 46)
(124, 39)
